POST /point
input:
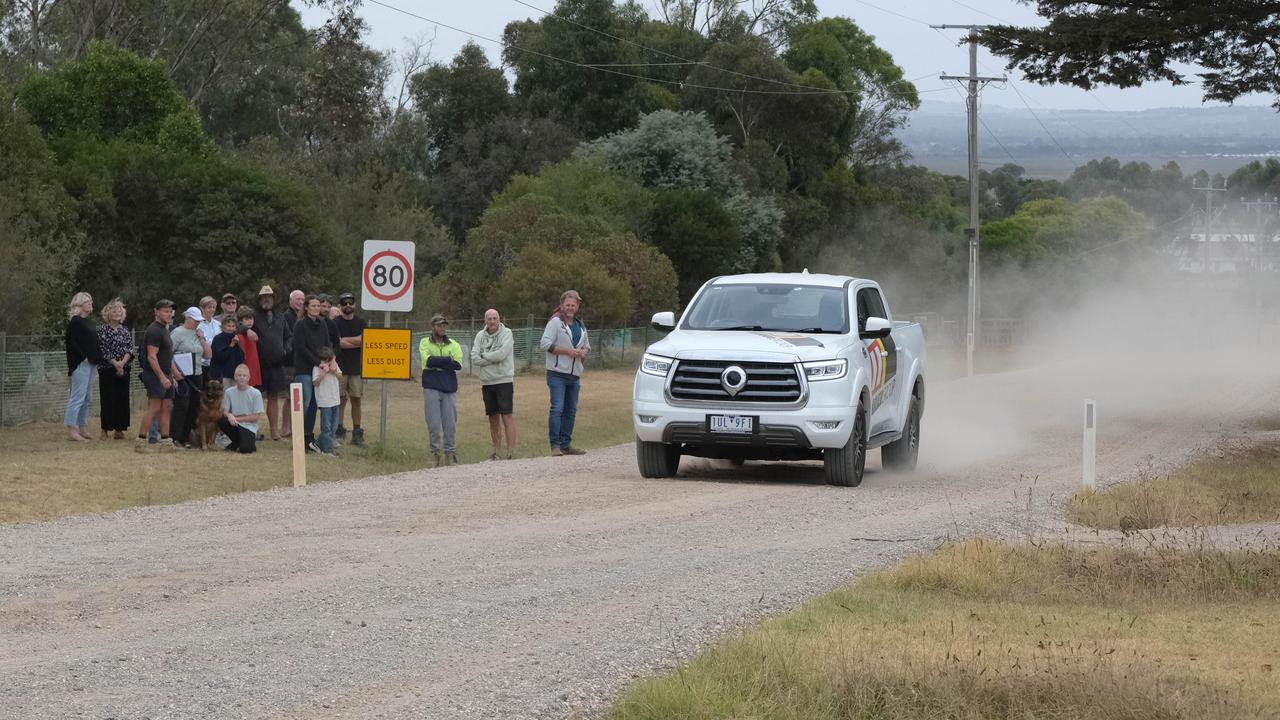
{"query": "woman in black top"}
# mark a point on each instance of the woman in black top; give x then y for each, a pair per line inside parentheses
(115, 342)
(82, 356)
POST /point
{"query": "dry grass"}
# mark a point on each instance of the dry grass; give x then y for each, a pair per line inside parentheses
(984, 630)
(44, 476)
(1268, 423)
(1245, 488)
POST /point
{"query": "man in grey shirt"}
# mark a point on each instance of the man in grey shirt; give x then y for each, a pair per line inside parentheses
(188, 338)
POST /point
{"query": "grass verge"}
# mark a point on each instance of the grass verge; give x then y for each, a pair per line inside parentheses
(44, 476)
(986, 630)
(1246, 488)
(1268, 423)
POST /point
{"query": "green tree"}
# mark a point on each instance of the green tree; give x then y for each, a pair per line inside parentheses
(668, 150)
(592, 99)
(1128, 42)
(456, 97)
(879, 97)
(340, 99)
(480, 162)
(697, 233)
(113, 94)
(541, 273)
(40, 244)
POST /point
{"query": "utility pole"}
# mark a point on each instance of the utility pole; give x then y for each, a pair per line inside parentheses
(974, 81)
(1209, 190)
(1258, 228)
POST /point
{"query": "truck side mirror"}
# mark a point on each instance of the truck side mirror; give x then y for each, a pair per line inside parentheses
(875, 328)
(665, 321)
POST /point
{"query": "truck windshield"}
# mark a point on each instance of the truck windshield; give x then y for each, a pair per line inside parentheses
(780, 307)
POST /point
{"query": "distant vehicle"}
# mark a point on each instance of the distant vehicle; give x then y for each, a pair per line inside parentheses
(782, 366)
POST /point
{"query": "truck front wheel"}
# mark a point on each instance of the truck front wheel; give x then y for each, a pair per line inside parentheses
(657, 460)
(844, 465)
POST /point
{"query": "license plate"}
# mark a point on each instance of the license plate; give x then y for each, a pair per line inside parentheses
(732, 424)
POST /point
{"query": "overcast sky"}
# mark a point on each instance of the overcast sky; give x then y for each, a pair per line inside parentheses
(899, 27)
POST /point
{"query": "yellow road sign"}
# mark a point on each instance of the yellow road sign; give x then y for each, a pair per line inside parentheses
(386, 354)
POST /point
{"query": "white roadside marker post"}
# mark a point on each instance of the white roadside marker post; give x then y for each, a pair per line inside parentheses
(299, 438)
(1090, 444)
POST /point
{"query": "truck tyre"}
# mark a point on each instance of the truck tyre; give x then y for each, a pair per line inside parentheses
(657, 460)
(844, 465)
(901, 454)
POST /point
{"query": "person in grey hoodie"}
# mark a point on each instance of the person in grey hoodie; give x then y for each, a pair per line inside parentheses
(565, 342)
(493, 357)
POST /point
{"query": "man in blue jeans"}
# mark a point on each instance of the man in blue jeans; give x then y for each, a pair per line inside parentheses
(564, 340)
(309, 336)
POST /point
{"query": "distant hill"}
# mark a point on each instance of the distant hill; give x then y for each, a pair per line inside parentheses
(1217, 139)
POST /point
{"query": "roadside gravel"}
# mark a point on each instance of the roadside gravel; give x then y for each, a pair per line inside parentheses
(532, 588)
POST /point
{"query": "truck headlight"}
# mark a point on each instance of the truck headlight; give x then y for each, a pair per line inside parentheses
(655, 365)
(825, 370)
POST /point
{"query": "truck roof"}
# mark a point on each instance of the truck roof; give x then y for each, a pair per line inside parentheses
(819, 279)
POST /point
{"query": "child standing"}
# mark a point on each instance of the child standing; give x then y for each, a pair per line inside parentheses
(227, 353)
(326, 379)
(249, 344)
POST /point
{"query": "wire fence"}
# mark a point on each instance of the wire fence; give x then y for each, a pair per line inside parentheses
(34, 385)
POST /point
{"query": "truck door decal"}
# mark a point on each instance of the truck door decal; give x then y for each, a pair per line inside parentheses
(882, 359)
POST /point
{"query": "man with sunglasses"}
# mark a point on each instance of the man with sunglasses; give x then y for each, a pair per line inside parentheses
(350, 360)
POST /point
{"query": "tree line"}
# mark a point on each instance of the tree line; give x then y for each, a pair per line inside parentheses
(150, 149)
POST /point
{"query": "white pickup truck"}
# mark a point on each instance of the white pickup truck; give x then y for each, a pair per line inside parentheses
(782, 366)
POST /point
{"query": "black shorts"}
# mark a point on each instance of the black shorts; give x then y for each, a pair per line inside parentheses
(498, 399)
(155, 390)
(273, 382)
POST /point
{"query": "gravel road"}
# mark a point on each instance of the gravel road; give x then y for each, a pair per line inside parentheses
(540, 587)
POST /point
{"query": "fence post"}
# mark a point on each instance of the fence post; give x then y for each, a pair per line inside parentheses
(528, 356)
(4, 360)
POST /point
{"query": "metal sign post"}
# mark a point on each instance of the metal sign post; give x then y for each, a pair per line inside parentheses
(386, 279)
(386, 355)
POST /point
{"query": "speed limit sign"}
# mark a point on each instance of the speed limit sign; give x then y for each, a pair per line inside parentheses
(386, 276)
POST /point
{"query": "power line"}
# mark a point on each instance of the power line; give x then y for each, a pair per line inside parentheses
(612, 71)
(989, 133)
(981, 12)
(1040, 123)
(892, 12)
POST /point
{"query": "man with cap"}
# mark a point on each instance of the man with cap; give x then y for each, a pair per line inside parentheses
(188, 338)
(350, 361)
(229, 305)
(275, 351)
(157, 378)
(441, 360)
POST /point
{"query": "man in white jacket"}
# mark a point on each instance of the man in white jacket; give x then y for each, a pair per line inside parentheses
(493, 358)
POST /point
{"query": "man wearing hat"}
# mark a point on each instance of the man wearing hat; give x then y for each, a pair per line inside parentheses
(350, 361)
(275, 338)
(229, 305)
(187, 338)
(157, 378)
(441, 361)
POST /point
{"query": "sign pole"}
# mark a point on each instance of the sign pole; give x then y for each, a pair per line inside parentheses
(382, 423)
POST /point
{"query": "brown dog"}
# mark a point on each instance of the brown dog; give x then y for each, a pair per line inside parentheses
(209, 414)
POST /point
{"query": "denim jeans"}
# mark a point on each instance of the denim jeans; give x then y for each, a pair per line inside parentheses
(328, 423)
(308, 404)
(77, 414)
(564, 407)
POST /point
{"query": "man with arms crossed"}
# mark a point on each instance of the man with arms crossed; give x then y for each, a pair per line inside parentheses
(350, 358)
(157, 378)
(493, 357)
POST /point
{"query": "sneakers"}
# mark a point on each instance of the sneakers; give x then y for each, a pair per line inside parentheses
(437, 457)
(313, 447)
(451, 459)
(357, 437)
(340, 433)
(143, 446)
(556, 452)
(571, 450)
(494, 457)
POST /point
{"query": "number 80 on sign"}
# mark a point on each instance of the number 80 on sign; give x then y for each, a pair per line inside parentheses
(387, 276)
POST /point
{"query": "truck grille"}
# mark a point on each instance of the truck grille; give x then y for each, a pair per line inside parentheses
(766, 382)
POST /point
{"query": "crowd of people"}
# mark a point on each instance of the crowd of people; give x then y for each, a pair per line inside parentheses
(253, 353)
